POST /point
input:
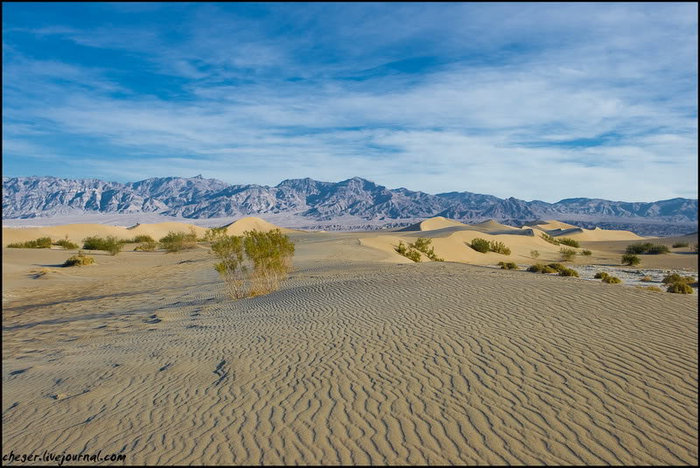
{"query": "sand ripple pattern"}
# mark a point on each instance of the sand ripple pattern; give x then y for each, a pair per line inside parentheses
(359, 364)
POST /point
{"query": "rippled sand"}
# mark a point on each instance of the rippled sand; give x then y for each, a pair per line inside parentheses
(355, 360)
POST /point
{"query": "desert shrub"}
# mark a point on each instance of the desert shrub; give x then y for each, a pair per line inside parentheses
(587, 253)
(647, 248)
(612, 280)
(650, 288)
(676, 278)
(630, 259)
(570, 242)
(215, 233)
(109, 244)
(254, 263)
(480, 245)
(148, 246)
(499, 247)
(534, 253)
(66, 244)
(601, 275)
(679, 287)
(40, 243)
(568, 272)
(540, 268)
(679, 244)
(177, 241)
(567, 254)
(646, 279)
(421, 244)
(144, 238)
(79, 260)
(408, 252)
(271, 256)
(549, 239)
(507, 266)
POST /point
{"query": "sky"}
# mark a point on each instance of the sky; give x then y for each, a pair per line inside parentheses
(529, 100)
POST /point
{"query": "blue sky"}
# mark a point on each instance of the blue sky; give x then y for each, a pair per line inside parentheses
(535, 101)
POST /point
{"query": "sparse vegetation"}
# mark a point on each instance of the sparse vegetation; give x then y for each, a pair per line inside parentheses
(647, 248)
(646, 279)
(676, 278)
(570, 242)
(79, 260)
(601, 275)
(679, 288)
(534, 253)
(147, 246)
(109, 244)
(540, 268)
(679, 245)
(567, 254)
(40, 243)
(611, 279)
(507, 266)
(66, 244)
(650, 288)
(253, 264)
(549, 239)
(480, 245)
(421, 244)
(586, 253)
(483, 246)
(144, 238)
(177, 241)
(630, 259)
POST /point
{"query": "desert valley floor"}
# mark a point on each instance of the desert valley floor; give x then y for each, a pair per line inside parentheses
(361, 357)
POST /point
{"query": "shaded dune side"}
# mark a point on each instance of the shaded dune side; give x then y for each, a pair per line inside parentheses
(361, 366)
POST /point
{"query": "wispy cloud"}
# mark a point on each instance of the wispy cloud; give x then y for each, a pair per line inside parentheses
(526, 100)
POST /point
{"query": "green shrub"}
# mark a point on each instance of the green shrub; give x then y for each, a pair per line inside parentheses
(601, 275)
(40, 243)
(215, 233)
(612, 280)
(567, 254)
(540, 268)
(66, 244)
(480, 245)
(679, 244)
(401, 249)
(549, 239)
(534, 253)
(647, 248)
(110, 244)
(630, 259)
(148, 246)
(508, 266)
(570, 242)
(587, 253)
(676, 278)
(79, 260)
(144, 238)
(254, 263)
(177, 241)
(679, 287)
(568, 272)
(408, 252)
(421, 244)
(650, 288)
(499, 247)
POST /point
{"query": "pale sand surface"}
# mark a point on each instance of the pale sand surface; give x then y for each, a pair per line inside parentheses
(359, 358)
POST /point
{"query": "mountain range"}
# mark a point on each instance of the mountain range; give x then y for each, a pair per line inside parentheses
(328, 204)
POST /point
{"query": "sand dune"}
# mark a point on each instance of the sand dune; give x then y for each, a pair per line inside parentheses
(433, 224)
(353, 361)
(551, 224)
(77, 232)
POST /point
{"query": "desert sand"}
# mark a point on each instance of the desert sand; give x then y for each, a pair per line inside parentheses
(362, 357)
